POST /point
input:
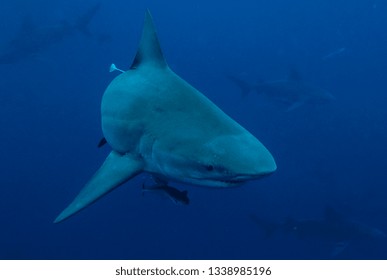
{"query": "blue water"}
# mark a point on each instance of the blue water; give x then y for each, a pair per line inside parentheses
(327, 154)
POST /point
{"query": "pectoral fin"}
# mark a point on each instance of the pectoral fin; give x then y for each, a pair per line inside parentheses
(116, 170)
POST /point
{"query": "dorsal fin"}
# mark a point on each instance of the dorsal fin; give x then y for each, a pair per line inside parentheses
(149, 51)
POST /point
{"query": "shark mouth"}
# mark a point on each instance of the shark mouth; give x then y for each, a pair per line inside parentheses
(238, 180)
(215, 182)
(226, 181)
(232, 182)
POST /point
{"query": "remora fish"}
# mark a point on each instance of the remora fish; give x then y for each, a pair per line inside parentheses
(156, 122)
(178, 197)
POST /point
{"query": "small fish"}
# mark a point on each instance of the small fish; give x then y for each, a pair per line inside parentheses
(178, 197)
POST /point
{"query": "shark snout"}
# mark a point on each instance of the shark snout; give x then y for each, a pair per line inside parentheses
(245, 158)
(249, 168)
(260, 163)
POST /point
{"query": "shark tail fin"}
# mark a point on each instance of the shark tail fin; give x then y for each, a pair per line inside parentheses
(269, 228)
(82, 23)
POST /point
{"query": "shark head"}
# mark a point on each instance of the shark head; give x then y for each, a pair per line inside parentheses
(214, 161)
(158, 123)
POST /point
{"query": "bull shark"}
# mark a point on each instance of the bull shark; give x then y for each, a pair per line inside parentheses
(292, 91)
(333, 228)
(156, 122)
(31, 39)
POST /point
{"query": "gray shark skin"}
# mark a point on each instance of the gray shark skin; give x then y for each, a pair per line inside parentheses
(156, 122)
(293, 91)
(32, 40)
(333, 228)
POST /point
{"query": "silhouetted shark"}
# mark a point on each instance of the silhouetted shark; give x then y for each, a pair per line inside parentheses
(156, 122)
(31, 39)
(333, 228)
(292, 91)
